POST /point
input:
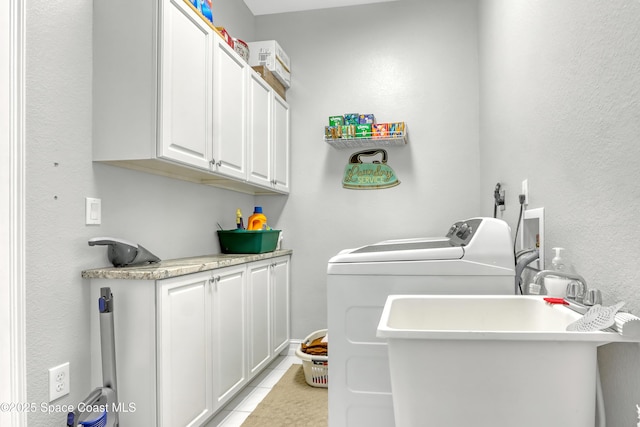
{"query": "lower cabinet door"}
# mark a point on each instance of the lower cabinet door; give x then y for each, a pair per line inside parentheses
(280, 304)
(229, 326)
(259, 316)
(185, 377)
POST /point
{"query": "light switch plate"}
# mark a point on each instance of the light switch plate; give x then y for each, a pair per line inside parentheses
(93, 211)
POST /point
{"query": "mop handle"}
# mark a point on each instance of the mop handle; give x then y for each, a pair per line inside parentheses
(107, 340)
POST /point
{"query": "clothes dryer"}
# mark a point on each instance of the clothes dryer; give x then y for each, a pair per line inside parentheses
(474, 257)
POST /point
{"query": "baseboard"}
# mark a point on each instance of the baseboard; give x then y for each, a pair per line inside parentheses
(294, 344)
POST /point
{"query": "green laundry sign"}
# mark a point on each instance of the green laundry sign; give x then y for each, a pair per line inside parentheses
(369, 176)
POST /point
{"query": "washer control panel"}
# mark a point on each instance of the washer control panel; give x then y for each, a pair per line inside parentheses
(462, 232)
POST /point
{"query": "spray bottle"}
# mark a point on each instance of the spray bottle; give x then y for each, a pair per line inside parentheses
(239, 223)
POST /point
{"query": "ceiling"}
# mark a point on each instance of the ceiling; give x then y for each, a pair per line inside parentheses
(267, 7)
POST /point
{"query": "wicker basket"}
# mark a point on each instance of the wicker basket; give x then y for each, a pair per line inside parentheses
(316, 368)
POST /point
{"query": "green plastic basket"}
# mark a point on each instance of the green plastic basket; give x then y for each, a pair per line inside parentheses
(248, 241)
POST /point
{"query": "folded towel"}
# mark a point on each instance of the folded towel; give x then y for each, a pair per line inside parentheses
(316, 347)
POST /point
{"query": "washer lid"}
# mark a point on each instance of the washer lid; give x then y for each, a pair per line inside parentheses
(402, 250)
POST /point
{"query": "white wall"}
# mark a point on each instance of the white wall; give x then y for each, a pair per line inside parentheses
(235, 17)
(557, 81)
(58, 130)
(411, 61)
(560, 105)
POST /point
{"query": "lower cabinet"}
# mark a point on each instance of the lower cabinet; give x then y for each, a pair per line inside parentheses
(229, 333)
(187, 345)
(268, 296)
(259, 316)
(280, 305)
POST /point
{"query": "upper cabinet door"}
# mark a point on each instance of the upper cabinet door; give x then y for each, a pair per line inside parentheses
(229, 111)
(186, 79)
(259, 117)
(281, 144)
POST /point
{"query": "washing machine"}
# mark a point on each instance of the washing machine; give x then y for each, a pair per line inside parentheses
(474, 256)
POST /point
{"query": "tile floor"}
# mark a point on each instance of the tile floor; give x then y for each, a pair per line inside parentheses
(238, 409)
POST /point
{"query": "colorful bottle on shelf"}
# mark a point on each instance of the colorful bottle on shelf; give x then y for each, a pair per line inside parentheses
(257, 221)
(239, 223)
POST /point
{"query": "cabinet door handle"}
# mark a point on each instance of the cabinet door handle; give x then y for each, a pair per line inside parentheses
(212, 162)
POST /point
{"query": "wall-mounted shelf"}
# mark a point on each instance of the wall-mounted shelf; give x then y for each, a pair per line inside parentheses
(368, 142)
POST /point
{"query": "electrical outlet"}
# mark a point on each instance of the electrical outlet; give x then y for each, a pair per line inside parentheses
(59, 381)
(525, 191)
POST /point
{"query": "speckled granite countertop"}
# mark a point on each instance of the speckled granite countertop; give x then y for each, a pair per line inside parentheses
(178, 267)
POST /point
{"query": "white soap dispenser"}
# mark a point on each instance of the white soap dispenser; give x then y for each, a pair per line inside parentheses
(557, 286)
(557, 263)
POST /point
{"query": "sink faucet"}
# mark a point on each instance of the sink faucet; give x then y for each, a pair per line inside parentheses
(583, 283)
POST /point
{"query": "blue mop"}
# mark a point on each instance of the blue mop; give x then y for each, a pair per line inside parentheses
(99, 408)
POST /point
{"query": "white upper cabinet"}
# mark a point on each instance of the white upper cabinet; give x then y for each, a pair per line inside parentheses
(259, 138)
(281, 144)
(186, 75)
(268, 136)
(172, 98)
(229, 111)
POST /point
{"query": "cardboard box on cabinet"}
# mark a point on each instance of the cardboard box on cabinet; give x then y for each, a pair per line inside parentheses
(271, 80)
(270, 54)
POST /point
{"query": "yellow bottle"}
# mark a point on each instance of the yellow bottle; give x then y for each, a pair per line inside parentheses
(239, 223)
(257, 221)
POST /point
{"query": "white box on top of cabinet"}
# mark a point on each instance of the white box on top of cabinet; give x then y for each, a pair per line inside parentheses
(172, 98)
(186, 345)
(271, 55)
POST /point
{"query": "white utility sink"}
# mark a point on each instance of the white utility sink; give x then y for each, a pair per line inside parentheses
(494, 361)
